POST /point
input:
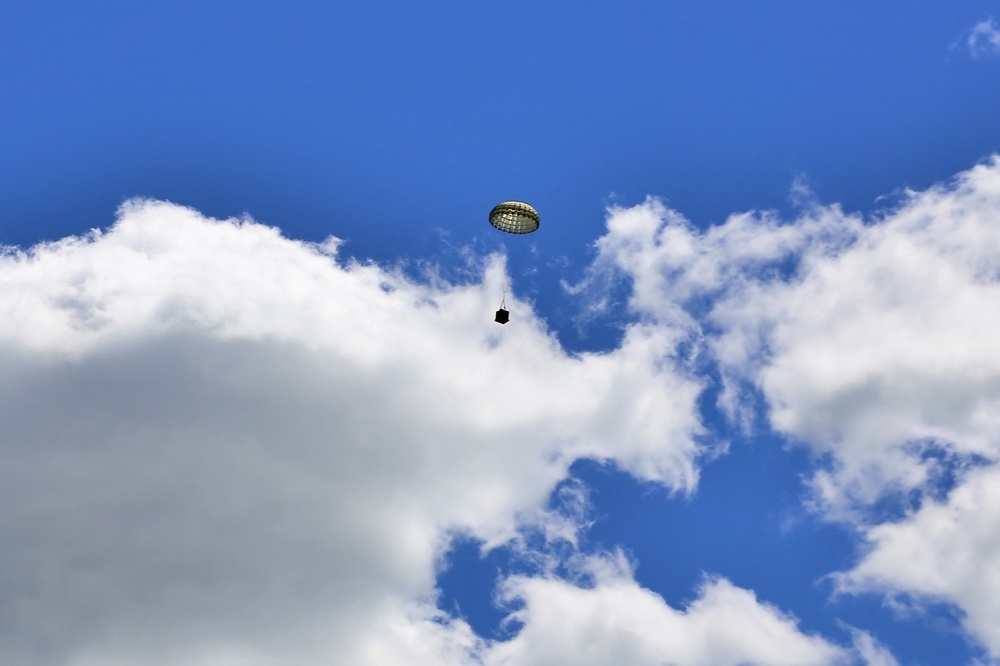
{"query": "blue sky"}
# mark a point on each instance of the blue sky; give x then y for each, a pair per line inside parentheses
(745, 410)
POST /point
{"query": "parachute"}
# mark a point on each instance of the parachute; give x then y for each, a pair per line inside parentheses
(513, 217)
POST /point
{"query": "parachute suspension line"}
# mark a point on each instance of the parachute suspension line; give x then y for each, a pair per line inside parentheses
(502, 315)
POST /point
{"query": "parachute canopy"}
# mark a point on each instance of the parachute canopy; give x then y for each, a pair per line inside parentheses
(514, 217)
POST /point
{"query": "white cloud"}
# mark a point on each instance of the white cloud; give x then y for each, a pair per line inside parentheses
(223, 447)
(888, 347)
(615, 621)
(875, 344)
(670, 263)
(869, 650)
(946, 552)
(870, 343)
(984, 39)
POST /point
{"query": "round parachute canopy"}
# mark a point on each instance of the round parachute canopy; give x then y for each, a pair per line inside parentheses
(514, 217)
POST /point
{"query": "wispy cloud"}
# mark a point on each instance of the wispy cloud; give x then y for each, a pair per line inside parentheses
(870, 651)
(984, 39)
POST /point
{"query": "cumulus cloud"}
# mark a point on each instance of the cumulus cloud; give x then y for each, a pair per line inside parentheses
(615, 621)
(984, 39)
(947, 551)
(873, 342)
(225, 447)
